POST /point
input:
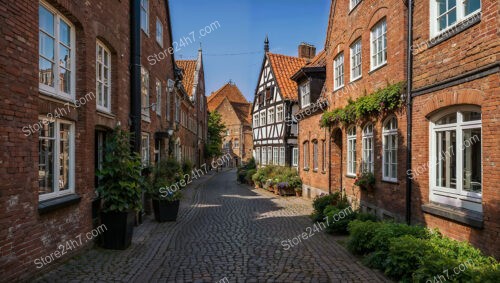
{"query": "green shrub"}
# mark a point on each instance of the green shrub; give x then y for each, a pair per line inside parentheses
(248, 176)
(361, 234)
(187, 167)
(404, 256)
(338, 218)
(362, 216)
(320, 203)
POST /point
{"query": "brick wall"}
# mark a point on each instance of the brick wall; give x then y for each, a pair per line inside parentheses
(388, 199)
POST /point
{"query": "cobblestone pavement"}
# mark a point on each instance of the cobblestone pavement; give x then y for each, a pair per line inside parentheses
(224, 231)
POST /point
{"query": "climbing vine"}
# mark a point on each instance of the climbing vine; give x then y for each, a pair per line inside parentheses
(382, 100)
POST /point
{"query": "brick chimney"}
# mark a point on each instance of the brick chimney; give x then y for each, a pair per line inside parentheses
(307, 51)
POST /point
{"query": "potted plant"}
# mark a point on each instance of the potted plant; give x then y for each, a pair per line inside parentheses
(298, 192)
(120, 183)
(365, 181)
(164, 191)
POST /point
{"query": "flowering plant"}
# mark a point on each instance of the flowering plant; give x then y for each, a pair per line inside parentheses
(365, 180)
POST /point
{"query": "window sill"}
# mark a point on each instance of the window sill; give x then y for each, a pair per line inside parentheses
(377, 68)
(464, 216)
(105, 114)
(306, 169)
(355, 79)
(396, 182)
(146, 118)
(49, 205)
(56, 98)
(338, 88)
(455, 29)
(351, 176)
(323, 172)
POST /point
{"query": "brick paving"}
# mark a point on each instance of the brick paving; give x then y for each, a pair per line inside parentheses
(224, 230)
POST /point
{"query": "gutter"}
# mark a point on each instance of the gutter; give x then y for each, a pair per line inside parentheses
(409, 110)
(135, 75)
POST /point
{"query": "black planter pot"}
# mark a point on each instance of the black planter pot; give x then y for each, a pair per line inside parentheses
(165, 210)
(120, 228)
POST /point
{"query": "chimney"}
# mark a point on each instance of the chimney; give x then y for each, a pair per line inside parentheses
(307, 51)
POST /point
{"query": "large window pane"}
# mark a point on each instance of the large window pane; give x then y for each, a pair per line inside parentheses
(472, 165)
(472, 6)
(446, 159)
(64, 157)
(46, 20)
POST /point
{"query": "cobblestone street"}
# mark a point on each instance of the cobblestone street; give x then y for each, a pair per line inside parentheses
(224, 230)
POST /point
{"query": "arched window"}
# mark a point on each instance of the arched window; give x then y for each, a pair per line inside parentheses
(351, 151)
(367, 165)
(315, 155)
(390, 147)
(306, 155)
(456, 157)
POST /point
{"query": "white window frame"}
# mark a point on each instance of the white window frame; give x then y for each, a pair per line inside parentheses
(305, 94)
(353, 4)
(390, 134)
(159, 32)
(145, 151)
(145, 10)
(55, 91)
(324, 155)
(315, 155)
(158, 98)
(56, 159)
(295, 157)
(368, 148)
(145, 93)
(257, 155)
(276, 155)
(263, 118)
(270, 115)
(101, 66)
(264, 155)
(177, 102)
(279, 113)
(270, 155)
(460, 17)
(379, 31)
(256, 120)
(351, 151)
(236, 143)
(338, 71)
(356, 60)
(457, 197)
(305, 147)
(282, 156)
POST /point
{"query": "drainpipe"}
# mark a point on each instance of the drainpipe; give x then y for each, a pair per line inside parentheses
(135, 74)
(409, 76)
(329, 159)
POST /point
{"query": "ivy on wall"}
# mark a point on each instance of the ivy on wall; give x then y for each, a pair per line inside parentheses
(383, 100)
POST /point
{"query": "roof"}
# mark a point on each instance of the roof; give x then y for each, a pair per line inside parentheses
(189, 69)
(283, 68)
(229, 91)
(318, 61)
(243, 110)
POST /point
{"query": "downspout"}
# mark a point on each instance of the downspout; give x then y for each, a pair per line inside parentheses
(409, 76)
(135, 75)
(329, 159)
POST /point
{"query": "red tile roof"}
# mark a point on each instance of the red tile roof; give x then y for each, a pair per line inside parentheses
(189, 68)
(231, 92)
(284, 67)
(318, 61)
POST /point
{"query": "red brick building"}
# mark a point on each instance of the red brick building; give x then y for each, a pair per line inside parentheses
(367, 54)
(235, 111)
(456, 89)
(93, 75)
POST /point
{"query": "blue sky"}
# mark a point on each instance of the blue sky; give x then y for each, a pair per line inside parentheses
(243, 27)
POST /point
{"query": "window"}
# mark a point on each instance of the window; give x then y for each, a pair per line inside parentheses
(170, 87)
(56, 58)
(282, 156)
(305, 94)
(236, 143)
(270, 115)
(103, 77)
(56, 159)
(263, 118)
(158, 98)
(448, 13)
(256, 120)
(338, 71)
(356, 60)
(367, 165)
(306, 155)
(324, 156)
(145, 92)
(276, 156)
(379, 44)
(456, 157)
(279, 113)
(145, 16)
(264, 155)
(351, 151)
(177, 108)
(354, 3)
(257, 155)
(295, 157)
(145, 149)
(159, 32)
(390, 147)
(315, 155)
(270, 154)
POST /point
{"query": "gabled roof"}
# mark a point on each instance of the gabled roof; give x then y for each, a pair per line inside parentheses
(189, 69)
(243, 110)
(317, 64)
(318, 61)
(283, 68)
(229, 91)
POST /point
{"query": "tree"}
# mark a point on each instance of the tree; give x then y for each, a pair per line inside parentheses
(215, 129)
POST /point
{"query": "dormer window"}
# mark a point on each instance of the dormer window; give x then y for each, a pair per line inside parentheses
(305, 94)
